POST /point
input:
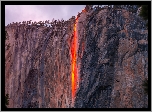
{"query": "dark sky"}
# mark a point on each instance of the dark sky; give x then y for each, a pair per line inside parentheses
(19, 13)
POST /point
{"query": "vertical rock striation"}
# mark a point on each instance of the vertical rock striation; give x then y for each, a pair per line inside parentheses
(112, 61)
(38, 65)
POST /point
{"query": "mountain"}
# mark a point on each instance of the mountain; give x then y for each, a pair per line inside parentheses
(98, 59)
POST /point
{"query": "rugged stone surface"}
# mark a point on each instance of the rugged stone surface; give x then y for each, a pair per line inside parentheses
(38, 65)
(112, 61)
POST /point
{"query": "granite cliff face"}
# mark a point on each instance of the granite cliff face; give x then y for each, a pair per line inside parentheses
(38, 65)
(112, 61)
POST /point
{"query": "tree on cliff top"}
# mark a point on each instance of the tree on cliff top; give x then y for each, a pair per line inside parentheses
(144, 13)
(131, 8)
(6, 35)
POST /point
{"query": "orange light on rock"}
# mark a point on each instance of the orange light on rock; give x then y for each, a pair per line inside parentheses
(74, 65)
(83, 10)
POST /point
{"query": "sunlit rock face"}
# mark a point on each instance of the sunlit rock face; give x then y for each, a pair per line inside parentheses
(38, 65)
(112, 62)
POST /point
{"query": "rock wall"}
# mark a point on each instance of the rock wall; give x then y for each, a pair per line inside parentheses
(113, 64)
(112, 61)
(37, 68)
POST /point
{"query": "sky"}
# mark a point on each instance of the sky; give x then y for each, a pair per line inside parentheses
(19, 13)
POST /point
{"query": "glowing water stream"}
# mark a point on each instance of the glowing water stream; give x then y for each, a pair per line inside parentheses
(74, 65)
(74, 61)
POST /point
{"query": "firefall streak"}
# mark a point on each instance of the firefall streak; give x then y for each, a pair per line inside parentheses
(74, 58)
(74, 65)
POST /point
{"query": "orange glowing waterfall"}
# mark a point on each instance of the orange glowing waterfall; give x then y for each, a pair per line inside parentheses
(74, 63)
(74, 48)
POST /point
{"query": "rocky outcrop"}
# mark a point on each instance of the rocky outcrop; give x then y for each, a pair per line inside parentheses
(112, 61)
(38, 65)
